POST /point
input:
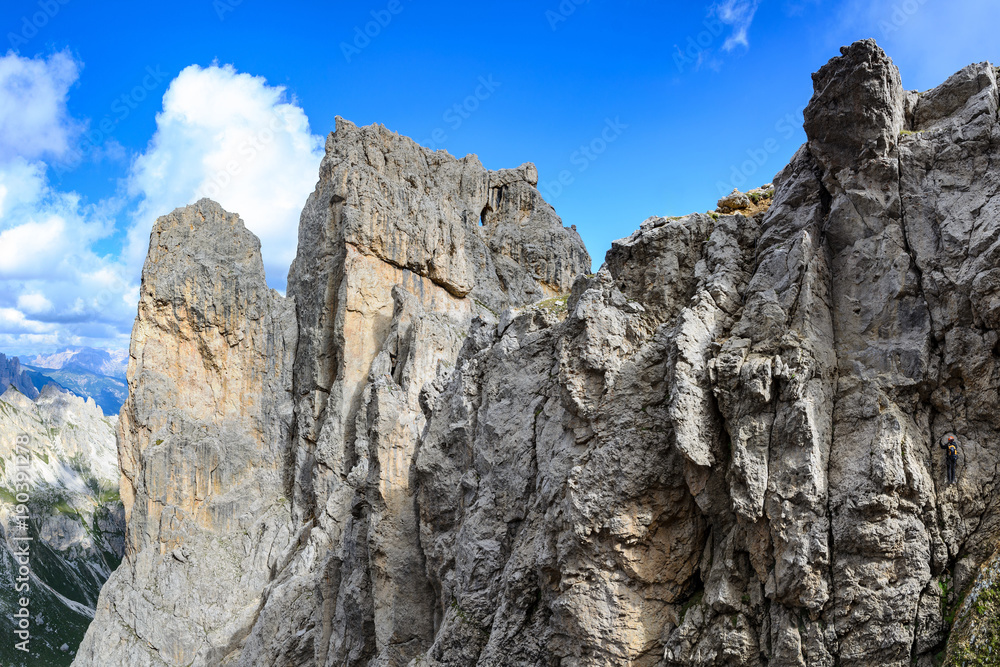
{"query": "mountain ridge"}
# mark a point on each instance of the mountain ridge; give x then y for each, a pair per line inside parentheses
(75, 519)
(111, 363)
(86, 372)
(452, 444)
(12, 375)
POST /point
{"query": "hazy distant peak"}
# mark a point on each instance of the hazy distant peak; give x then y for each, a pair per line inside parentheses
(103, 362)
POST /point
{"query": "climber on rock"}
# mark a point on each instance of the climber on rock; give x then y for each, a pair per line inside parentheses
(950, 445)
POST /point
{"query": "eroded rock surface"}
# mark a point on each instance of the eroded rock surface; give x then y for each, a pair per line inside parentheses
(13, 375)
(202, 444)
(400, 248)
(720, 449)
(58, 488)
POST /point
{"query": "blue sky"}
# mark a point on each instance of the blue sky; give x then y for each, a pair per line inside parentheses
(114, 113)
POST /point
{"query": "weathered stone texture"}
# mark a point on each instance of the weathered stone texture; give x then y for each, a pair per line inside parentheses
(58, 472)
(720, 449)
(203, 445)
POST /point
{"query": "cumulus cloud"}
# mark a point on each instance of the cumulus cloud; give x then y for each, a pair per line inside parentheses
(13, 320)
(41, 228)
(738, 14)
(231, 137)
(28, 246)
(34, 122)
(220, 134)
(33, 303)
(54, 289)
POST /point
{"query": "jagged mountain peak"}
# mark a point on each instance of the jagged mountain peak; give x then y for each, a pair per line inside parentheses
(12, 375)
(453, 445)
(57, 458)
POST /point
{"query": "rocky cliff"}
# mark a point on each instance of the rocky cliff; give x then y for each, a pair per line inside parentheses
(267, 442)
(449, 446)
(67, 468)
(202, 444)
(12, 375)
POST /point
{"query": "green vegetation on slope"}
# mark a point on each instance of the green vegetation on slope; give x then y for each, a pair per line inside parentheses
(975, 635)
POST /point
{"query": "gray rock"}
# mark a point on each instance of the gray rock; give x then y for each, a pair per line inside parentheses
(720, 449)
(734, 201)
(12, 375)
(401, 249)
(68, 473)
(203, 440)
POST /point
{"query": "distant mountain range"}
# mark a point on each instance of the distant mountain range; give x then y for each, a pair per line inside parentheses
(109, 363)
(76, 521)
(84, 371)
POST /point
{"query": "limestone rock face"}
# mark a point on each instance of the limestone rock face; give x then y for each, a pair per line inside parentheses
(720, 449)
(12, 375)
(400, 248)
(975, 638)
(202, 443)
(59, 452)
(727, 452)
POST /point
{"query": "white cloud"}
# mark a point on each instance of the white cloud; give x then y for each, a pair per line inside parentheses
(220, 133)
(738, 14)
(43, 233)
(54, 290)
(14, 321)
(26, 248)
(33, 302)
(239, 141)
(34, 121)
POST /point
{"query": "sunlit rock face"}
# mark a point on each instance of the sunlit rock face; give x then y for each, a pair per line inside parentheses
(450, 444)
(12, 375)
(400, 248)
(267, 443)
(203, 442)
